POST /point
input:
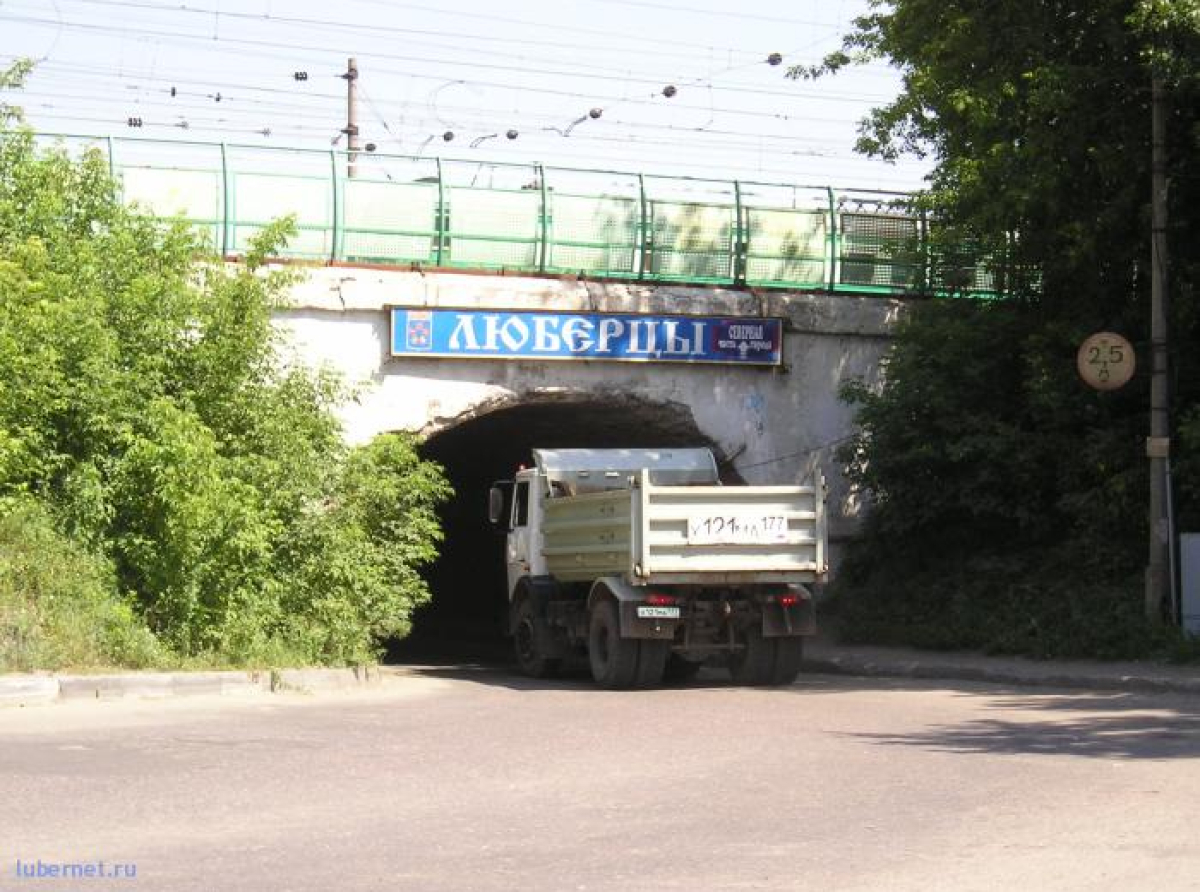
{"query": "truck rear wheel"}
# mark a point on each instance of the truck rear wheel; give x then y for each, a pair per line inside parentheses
(752, 664)
(614, 659)
(528, 634)
(789, 654)
(679, 669)
(622, 662)
(652, 662)
(766, 661)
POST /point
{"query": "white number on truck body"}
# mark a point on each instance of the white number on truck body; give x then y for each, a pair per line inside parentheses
(736, 529)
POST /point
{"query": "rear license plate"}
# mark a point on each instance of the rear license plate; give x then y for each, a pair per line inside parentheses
(658, 612)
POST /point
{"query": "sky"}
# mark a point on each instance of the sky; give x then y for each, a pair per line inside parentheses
(576, 83)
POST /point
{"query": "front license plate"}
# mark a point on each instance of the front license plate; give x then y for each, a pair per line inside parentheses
(658, 613)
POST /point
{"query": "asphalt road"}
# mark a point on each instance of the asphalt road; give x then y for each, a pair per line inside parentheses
(476, 780)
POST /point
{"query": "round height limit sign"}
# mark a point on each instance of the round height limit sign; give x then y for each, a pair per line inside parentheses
(1106, 361)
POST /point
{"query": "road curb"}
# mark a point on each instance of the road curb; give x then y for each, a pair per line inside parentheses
(1031, 676)
(21, 690)
(30, 690)
(307, 681)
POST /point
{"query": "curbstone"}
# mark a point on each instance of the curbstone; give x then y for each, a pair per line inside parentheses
(109, 687)
(26, 690)
(1033, 676)
(23, 690)
(225, 682)
(308, 681)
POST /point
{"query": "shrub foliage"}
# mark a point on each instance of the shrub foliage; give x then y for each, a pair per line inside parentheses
(149, 407)
(1010, 500)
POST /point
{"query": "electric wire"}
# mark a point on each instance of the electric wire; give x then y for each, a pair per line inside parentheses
(655, 40)
(185, 102)
(391, 57)
(402, 120)
(375, 29)
(739, 14)
(739, 112)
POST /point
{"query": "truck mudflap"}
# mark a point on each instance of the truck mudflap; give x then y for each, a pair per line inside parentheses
(629, 599)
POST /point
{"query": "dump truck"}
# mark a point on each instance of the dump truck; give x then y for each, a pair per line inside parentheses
(641, 562)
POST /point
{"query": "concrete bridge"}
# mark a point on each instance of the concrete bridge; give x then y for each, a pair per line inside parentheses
(774, 419)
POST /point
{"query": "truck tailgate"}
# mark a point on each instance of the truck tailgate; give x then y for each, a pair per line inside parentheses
(728, 534)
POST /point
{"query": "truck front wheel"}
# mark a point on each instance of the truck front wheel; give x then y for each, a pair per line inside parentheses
(528, 635)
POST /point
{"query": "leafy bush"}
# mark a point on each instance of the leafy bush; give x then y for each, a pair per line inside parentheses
(150, 404)
(1011, 500)
(1007, 499)
(59, 606)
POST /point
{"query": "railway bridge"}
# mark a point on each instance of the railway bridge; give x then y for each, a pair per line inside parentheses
(492, 308)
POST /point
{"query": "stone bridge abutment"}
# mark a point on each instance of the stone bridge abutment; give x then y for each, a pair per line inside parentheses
(481, 416)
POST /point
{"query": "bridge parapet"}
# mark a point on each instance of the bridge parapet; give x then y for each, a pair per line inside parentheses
(435, 213)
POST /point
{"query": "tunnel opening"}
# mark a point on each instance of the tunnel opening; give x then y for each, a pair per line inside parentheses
(465, 619)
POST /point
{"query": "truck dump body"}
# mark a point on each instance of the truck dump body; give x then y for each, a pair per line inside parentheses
(701, 535)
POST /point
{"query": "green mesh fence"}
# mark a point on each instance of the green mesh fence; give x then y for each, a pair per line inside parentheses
(593, 235)
(787, 247)
(691, 242)
(388, 222)
(879, 251)
(407, 210)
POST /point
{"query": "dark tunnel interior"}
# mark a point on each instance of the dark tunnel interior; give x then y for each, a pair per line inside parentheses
(464, 621)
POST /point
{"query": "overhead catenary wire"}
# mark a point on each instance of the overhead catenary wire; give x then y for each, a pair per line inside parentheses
(760, 143)
(747, 57)
(202, 123)
(740, 14)
(635, 152)
(655, 40)
(172, 36)
(630, 150)
(375, 29)
(547, 100)
(185, 102)
(724, 172)
(167, 78)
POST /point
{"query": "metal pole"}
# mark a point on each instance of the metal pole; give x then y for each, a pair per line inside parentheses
(833, 240)
(543, 221)
(226, 210)
(1158, 446)
(442, 219)
(741, 237)
(335, 241)
(351, 130)
(644, 242)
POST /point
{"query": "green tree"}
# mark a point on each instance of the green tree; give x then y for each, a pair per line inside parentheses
(149, 403)
(1009, 499)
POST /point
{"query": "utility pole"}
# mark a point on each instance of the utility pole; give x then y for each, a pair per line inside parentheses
(351, 128)
(1158, 446)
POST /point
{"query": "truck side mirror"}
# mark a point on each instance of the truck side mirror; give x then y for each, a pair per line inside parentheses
(498, 500)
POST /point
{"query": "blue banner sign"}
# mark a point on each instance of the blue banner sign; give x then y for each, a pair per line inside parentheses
(621, 337)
